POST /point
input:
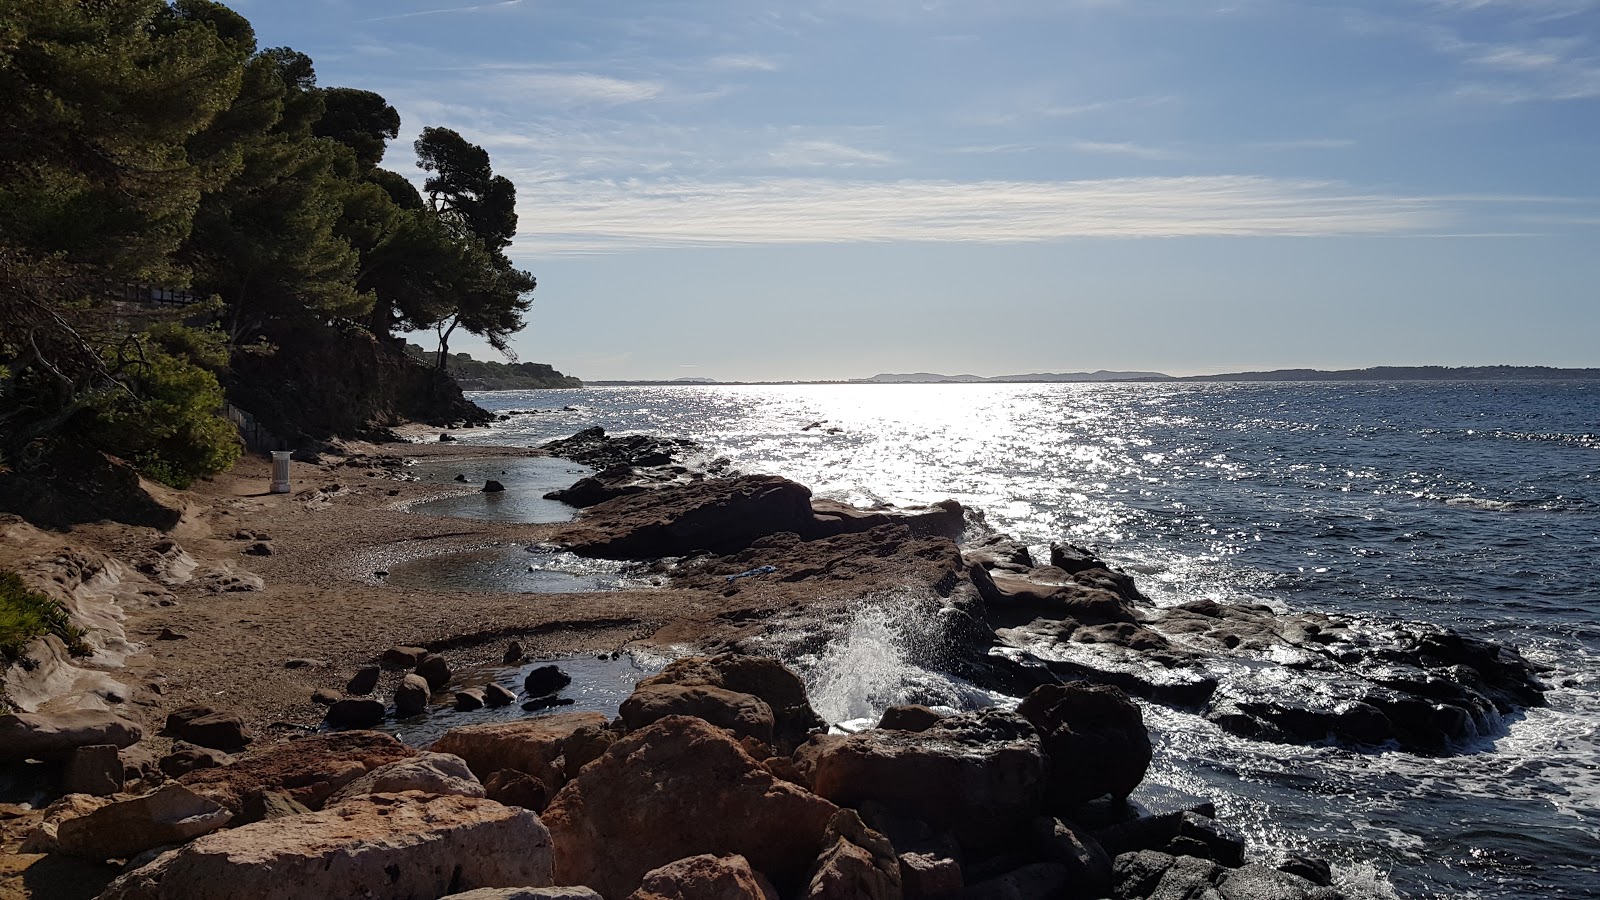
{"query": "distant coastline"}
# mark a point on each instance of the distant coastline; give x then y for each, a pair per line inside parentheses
(1376, 373)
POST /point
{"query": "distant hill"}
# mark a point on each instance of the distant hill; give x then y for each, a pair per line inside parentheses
(928, 377)
(483, 375)
(1407, 373)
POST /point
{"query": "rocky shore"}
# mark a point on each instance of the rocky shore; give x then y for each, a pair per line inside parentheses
(224, 642)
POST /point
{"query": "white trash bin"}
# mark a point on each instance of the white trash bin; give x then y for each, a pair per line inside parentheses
(280, 471)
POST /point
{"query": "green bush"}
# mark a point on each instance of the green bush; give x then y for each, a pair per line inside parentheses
(25, 615)
(167, 423)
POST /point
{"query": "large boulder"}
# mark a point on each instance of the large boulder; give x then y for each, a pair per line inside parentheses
(720, 515)
(979, 774)
(207, 726)
(759, 676)
(678, 788)
(705, 877)
(743, 714)
(1095, 737)
(536, 746)
(308, 770)
(171, 815)
(430, 773)
(54, 736)
(858, 864)
(381, 847)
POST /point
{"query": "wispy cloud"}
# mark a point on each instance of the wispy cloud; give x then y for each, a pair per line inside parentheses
(1124, 148)
(477, 7)
(564, 88)
(1304, 144)
(809, 153)
(608, 216)
(742, 62)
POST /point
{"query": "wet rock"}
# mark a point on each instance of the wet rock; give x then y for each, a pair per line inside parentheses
(720, 515)
(545, 680)
(515, 788)
(207, 726)
(53, 736)
(363, 682)
(612, 482)
(469, 700)
(857, 862)
(988, 767)
(534, 746)
(1087, 863)
(434, 669)
(1194, 834)
(547, 702)
(118, 830)
(678, 788)
(382, 846)
(998, 551)
(495, 695)
(1050, 594)
(430, 773)
(743, 714)
(593, 447)
(758, 676)
(1148, 873)
(308, 769)
(1095, 738)
(411, 696)
(185, 758)
(705, 877)
(1255, 882)
(909, 718)
(95, 770)
(513, 654)
(493, 487)
(403, 657)
(356, 713)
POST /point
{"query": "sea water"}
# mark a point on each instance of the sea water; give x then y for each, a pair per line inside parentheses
(1470, 505)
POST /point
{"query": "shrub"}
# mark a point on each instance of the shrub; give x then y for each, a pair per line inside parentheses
(25, 615)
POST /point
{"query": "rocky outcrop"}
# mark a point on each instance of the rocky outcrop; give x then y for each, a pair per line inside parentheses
(705, 877)
(593, 447)
(766, 680)
(395, 846)
(309, 770)
(1095, 738)
(856, 864)
(536, 746)
(47, 736)
(679, 788)
(982, 775)
(743, 714)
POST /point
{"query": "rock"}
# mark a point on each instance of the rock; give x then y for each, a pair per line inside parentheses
(53, 736)
(534, 746)
(301, 662)
(96, 770)
(390, 846)
(593, 447)
(679, 788)
(987, 765)
(515, 788)
(720, 515)
(705, 877)
(363, 682)
(118, 830)
(1194, 834)
(325, 697)
(356, 713)
(1311, 868)
(513, 653)
(909, 718)
(493, 487)
(403, 657)
(586, 744)
(469, 700)
(430, 773)
(207, 726)
(1255, 882)
(1160, 876)
(495, 695)
(1095, 738)
(1087, 863)
(446, 437)
(859, 863)
(759, 676)
(139, 763)
(308, 769)
(527, 894)
(43, 838)
(547, 702)
(928, 876)
(545, 680)
(272, 805)
(167, 634)
(1036, 881)
(306, 455)
(998, 552)
(259, 548)
(411, 696)
(743, 714)
(186, 758)
(435, 670)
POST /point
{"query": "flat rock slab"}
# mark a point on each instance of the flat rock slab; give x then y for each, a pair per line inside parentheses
(44, 736)
(381, 847)
(532, 746)
(120, 830)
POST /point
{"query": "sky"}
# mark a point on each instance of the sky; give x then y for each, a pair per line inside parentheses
(823, 189)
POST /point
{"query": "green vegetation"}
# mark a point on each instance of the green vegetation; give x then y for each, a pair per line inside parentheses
(151, 147)
(488, 375)
(25, 615)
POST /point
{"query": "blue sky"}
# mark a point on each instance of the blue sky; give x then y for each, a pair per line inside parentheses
(821, 189)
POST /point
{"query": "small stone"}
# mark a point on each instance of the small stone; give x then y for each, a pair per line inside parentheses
(325, 697)
(207, 727)
(513, 653)
(469, 700)
(411, 697)
(460, 477)
(498, 695)
(259, 548)
(186, 758)
(167, 634)
(301, 662)
(364, 681)
(355, 713)
(493, 487)
(446, 438)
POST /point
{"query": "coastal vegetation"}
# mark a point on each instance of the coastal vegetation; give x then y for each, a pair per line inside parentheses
(25, 615)
(489, 375)
(189, 219)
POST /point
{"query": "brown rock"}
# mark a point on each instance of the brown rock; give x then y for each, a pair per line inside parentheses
(860, 863)
(469, 700)
(43, 838)
(680, 788)
(430, 773)
(356, 713)
(496, 695)
(586, 744)
(272, 805)
(534, 746)
(95, 770)
(722, 515)
(527, 893)
(207, 726)
(309, 769)
(411, 696)
(705, 877)
(515, 788)
(118, 830)
(186, 758)
(743, 714)
(435, 670)
(929, 876)
(403, 657)
(364, 681)
(48, 737)
(1095, 738)
(909, 718)
(759, 676)
(325, 697)
(382, 847)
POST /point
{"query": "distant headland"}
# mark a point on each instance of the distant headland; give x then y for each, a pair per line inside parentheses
(1375, 373)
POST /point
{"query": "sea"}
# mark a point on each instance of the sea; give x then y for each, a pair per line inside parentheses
(1472, 505)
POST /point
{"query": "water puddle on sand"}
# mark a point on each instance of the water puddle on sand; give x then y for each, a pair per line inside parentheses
(526, 481)
(598, 685)
(516, 568)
